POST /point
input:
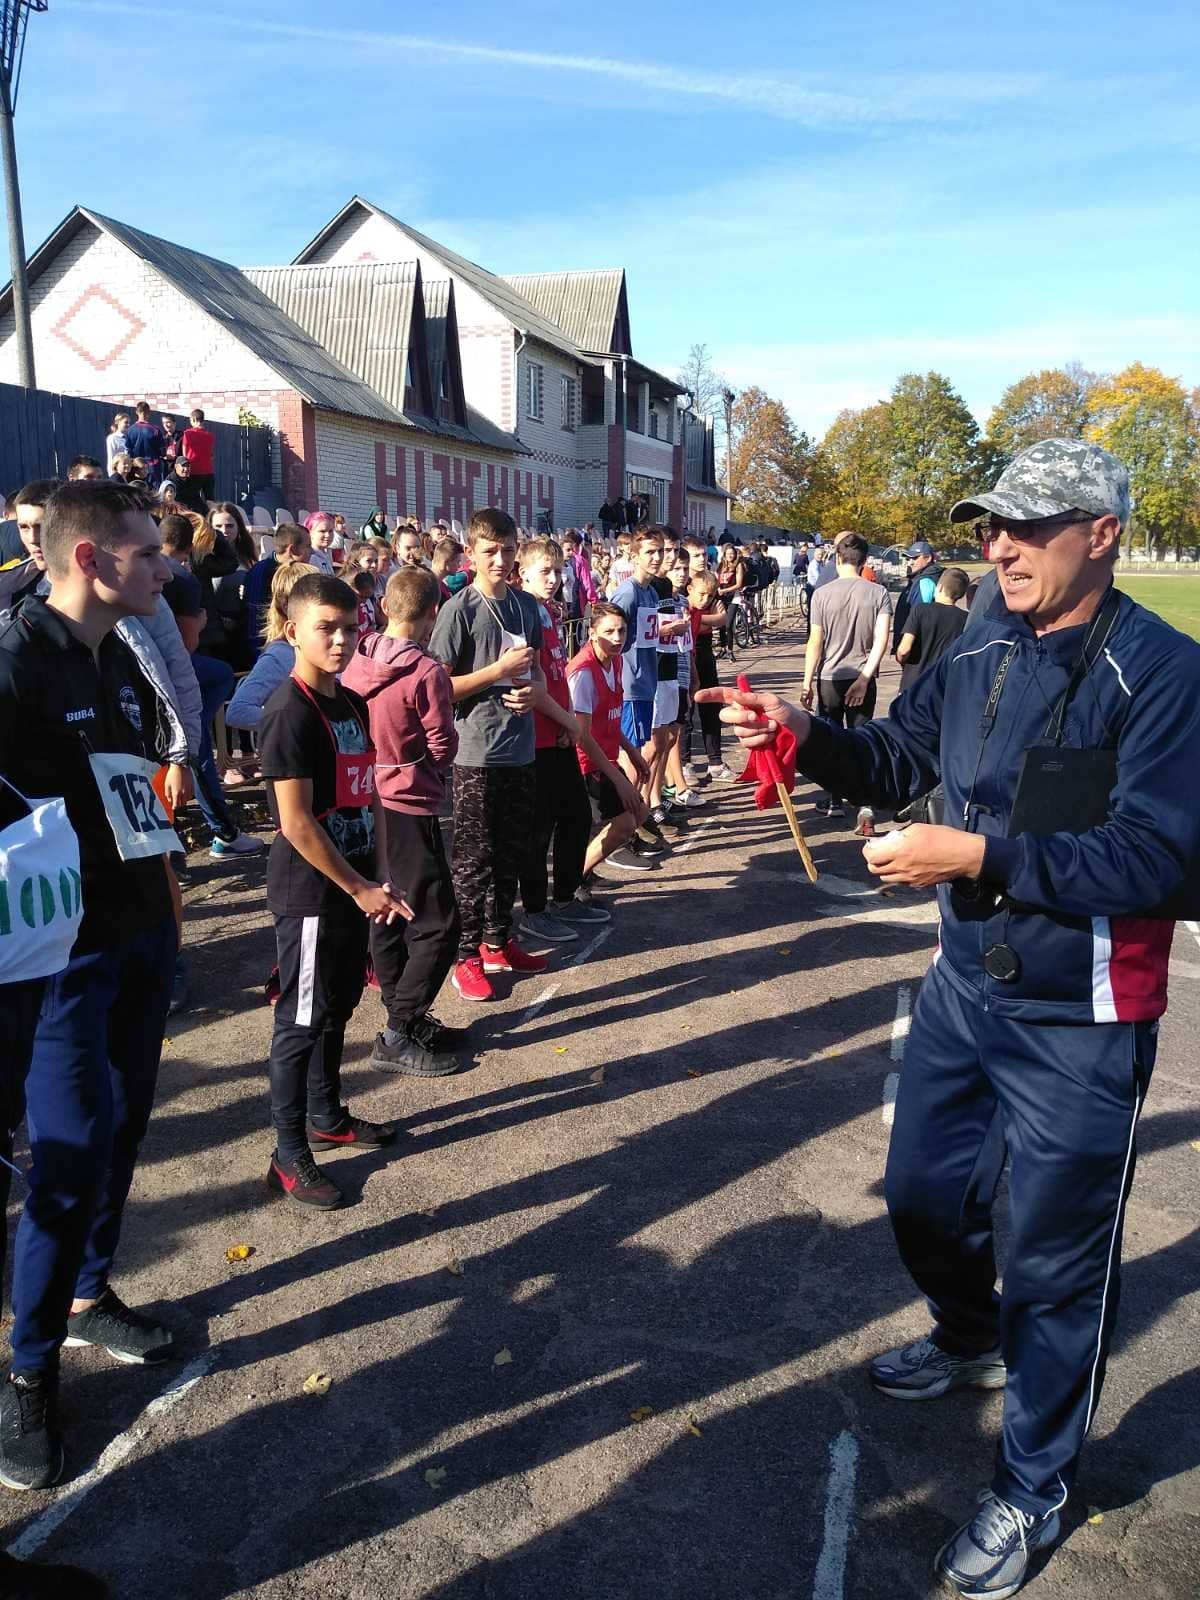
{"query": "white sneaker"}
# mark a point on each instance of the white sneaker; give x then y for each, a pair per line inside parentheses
(722, 773)
(693, 774)
(242, 844)
(691, 800)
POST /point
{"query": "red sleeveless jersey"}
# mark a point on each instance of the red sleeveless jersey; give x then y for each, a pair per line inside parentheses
(606, 718)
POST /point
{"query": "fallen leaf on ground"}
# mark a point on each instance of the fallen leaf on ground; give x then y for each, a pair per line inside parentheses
(435, 1476)
(1096, 1516)
(167, 1043)
(1196, 1144)
(317, 1383)
(640, 1413)
(503, 1358)
(597, 1076)
(785, 951)
(427, 1211)
(239, 1252)
(560, 1049)
(456, 1267)
(693, 1427)
(694, 1072)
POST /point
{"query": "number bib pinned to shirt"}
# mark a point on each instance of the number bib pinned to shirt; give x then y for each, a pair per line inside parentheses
(647, 628)
(354, 779)
(135, 813)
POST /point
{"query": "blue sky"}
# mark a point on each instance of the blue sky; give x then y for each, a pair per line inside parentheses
(826, 195)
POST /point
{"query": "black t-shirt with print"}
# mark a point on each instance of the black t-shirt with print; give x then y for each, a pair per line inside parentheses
(294, 742)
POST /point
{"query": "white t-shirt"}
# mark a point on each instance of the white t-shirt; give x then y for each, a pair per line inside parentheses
(583, 688)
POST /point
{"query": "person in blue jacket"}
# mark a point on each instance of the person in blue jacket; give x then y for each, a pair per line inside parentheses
(1034, 1035)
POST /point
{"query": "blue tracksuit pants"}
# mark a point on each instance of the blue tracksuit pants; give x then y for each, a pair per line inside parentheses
(1062, 1100)
(89, 1094)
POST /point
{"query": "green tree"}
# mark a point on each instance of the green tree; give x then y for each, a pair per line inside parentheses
(1051, 404)
(766, 459)
(1150, 421)
(858, 449)
(935, 456)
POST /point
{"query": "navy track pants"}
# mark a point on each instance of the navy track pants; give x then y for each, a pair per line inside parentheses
(1062, 1100)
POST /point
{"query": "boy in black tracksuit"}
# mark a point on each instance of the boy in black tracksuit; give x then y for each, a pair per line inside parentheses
(318, 761)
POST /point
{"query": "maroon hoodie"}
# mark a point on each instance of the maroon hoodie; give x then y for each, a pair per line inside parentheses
(412, 721)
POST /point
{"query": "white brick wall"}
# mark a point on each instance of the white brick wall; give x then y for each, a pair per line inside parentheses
(347, 474)
(179, 349)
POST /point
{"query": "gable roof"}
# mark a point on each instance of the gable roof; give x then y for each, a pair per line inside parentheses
(222, 291)
(370, 318)
(592, 308)
(498, 292)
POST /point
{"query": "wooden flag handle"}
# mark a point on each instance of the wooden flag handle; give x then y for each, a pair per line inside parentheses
(775, 774)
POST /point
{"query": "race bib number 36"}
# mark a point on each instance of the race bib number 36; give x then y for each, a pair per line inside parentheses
(135, 813)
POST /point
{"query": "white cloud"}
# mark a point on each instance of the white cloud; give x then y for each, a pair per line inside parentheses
(881, 99)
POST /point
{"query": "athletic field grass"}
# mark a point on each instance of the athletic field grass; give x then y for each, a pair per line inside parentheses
(1175, 598)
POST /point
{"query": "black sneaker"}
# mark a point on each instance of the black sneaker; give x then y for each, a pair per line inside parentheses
(651, 830)
(645, 848)
(410, 1056)
(436, 1036)
(125, 1334)
(353, 1131)
(303, 1182)
(31, 1452)
(26, 1580)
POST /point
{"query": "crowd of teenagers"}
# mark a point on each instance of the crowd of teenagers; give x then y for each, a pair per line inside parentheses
(421, 678)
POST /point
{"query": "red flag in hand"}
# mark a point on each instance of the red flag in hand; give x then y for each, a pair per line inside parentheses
(773, 765)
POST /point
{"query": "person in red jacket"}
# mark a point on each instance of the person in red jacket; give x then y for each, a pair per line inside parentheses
(594, 683)
(199, 446)
(407, 693)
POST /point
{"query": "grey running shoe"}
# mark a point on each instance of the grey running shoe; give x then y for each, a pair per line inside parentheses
(549, 929)
(922, 1370)
(988, 1558)
(630, 861)
(581, 910)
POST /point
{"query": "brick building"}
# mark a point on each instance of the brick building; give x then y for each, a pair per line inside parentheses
(392, 371)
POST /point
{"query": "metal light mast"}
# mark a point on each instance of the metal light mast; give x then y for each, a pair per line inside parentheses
(14, 15)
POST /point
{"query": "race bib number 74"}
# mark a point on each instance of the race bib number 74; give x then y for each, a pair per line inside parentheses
(135, 813)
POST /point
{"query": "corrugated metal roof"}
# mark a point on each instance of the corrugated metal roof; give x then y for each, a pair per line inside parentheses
(362, 315)
(583, 304)
(498, 292)
(255, 321)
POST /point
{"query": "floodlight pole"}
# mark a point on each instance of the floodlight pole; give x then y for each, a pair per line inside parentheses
(13, 15)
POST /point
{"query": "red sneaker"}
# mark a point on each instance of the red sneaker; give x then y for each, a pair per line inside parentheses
(511, 958)
(470, 982)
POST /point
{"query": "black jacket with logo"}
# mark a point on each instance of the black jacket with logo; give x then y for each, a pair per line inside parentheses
(58, 703)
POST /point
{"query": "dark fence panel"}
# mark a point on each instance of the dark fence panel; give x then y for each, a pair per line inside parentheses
(41, 433)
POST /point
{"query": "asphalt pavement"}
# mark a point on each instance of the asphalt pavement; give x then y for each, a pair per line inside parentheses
(598, 1325)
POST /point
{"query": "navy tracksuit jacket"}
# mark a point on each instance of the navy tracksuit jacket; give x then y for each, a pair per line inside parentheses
(1052, 1068)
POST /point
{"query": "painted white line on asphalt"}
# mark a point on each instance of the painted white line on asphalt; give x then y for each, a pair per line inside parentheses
(1194, 929)
(891, 1086)
(41, 1528)
(696, 838)
(901, 1025)
(552, 989)
(830, 1580)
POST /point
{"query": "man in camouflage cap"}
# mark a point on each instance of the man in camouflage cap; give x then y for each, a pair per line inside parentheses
(1045, 485)
(1035, 1032)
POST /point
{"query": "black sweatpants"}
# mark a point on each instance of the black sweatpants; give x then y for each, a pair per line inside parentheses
(562, 812)
(710, 716)
(493, 820)
(832, 698)
(413, 958)
(322, 962)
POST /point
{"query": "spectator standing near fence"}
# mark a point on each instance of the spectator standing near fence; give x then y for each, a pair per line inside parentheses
(144, 441)
(117, 442)
(200, 448)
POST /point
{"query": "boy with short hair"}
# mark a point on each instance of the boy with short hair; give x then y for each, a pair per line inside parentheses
(199, 447)
(445, 560)
(562, 809)
(407, 694)
(931, 628)
(322, 890)
(594, 680)
(488, 638)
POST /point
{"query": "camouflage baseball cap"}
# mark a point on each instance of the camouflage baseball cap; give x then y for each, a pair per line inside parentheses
(1051, 477)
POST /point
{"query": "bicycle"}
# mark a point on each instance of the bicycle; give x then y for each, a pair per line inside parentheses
(745, 628)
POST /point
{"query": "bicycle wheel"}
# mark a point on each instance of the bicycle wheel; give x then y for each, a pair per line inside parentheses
(741, 628)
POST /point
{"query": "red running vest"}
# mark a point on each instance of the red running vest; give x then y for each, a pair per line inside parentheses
(606, 718)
